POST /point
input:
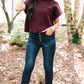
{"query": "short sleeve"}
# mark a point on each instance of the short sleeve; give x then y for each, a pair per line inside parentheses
(26, 4)
(57, 11)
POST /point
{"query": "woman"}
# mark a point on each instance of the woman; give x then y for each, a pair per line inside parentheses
(42, 19)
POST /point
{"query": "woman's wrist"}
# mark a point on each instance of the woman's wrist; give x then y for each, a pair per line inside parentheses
(55, 26)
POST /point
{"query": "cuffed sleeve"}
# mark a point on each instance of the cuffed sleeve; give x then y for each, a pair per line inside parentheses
(26, 4)
(57, 11)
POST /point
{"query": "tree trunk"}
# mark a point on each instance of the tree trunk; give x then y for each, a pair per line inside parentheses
(75, 37)
(72, 20)
(69, 19)
(72, 29)
(76, 13)
(9, 28)
(10, 23)
(81, 26)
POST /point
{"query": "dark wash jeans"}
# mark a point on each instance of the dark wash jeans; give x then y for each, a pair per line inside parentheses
(48, 44)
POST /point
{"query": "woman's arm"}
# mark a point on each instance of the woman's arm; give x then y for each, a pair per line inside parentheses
(56, 25)
(20, 6)
(51, 29)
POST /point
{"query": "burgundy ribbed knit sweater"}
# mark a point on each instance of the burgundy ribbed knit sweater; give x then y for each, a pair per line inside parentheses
(45, 12)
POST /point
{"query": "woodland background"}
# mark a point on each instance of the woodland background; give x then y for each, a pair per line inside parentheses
(68, 63)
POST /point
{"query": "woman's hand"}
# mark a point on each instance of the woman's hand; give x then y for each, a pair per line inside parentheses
(20, 6)
(49, 30)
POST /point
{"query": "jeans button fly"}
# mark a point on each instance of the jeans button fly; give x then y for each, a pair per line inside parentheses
(40, 38)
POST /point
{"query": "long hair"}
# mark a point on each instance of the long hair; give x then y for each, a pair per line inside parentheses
(31, 7)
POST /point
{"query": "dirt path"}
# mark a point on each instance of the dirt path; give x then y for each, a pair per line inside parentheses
(12, 64)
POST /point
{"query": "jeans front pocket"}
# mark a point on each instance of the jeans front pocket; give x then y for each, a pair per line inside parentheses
(49, 38)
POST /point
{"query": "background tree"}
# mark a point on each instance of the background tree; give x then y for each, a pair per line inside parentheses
(9, 23)
(74, 25)
(74, 30)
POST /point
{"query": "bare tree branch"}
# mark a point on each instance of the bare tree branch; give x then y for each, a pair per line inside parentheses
(7, 16)
(5, 11)
(15, 17)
